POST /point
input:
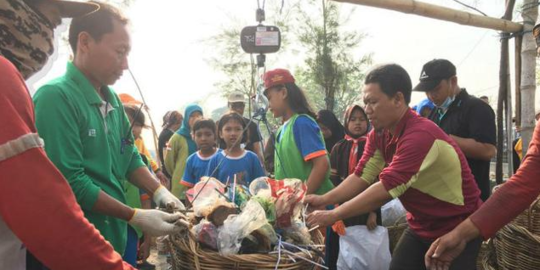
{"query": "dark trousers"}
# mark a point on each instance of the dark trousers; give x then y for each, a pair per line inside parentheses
(411, 249)
(32, 263)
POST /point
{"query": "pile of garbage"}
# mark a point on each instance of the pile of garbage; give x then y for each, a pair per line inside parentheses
(262, 218)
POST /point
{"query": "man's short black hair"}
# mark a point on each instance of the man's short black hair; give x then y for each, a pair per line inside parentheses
(392, 78)
(97, 23)
(205, 123)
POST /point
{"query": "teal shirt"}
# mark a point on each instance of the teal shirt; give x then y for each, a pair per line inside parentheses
(86, 146)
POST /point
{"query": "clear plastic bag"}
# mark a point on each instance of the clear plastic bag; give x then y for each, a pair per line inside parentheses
(392, 212)
(268, 206)
(237, 227)
(297, 234)
(207, 196)
(206, 234)
(289, 205)
(260, 187)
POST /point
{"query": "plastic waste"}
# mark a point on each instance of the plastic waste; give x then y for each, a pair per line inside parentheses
(260, 187)
(269, 207)
(297, 234)
(362, 249)
(206, 234)
(237, 227)
(208, 190)
(392, 212)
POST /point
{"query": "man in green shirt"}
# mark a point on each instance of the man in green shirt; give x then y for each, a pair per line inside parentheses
(87, 134)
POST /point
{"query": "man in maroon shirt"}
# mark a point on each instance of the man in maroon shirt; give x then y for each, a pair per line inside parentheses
(414, 161)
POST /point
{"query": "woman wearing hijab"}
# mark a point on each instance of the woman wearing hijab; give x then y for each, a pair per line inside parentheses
(331, 128)
(343, 160)
(179, 148)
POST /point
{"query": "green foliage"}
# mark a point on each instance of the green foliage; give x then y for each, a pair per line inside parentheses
(331, 75)
(313, 32)
(238, 67)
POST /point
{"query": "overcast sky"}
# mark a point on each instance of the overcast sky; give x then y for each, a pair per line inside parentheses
(169, 60)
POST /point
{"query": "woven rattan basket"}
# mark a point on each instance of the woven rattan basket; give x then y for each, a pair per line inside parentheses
(517, 245)
(396, 231)
(517, 248)
(530, 218)
(484, 251)
(187, 254)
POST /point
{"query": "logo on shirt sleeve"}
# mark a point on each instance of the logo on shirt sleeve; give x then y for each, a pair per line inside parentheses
(91, 132)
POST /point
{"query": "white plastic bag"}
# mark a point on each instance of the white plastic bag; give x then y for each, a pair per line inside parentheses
(392, 212)
(362, 249)
(237, 227)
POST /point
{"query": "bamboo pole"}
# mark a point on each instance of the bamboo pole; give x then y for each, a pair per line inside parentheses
(503, 71)
(504, 92)
(528, 75)
(441, 13)
(517, 55)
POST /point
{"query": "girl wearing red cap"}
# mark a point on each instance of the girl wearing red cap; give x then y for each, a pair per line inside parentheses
(300, 150)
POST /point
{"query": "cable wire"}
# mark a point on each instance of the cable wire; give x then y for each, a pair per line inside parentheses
(471, 7)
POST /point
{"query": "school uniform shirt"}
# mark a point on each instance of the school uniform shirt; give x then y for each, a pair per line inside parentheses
(423, 167)
(90, 142)
(298, 142)
(40, 196)
(470, 117)
(247, 167)
(196, 167)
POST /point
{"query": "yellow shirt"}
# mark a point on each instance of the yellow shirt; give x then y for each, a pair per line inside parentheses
(519, 148)
(139, 143)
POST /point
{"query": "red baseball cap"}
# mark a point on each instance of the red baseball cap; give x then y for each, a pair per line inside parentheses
(277, 77)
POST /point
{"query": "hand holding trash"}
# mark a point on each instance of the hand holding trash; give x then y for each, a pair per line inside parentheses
(315, 202)
(164, 198)
(322, 218)
(158, 223)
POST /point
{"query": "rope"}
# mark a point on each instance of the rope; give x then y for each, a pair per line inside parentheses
(471, 7)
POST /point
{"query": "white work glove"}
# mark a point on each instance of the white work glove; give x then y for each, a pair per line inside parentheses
(158, 223)
(163, 198)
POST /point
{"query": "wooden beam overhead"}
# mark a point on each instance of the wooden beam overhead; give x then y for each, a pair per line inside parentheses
(441, 13)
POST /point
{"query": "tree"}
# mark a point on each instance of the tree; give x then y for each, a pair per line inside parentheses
(528, 64)
(331, 75)
(237, 66)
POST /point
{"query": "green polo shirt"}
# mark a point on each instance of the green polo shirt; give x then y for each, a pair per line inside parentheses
(84, 141)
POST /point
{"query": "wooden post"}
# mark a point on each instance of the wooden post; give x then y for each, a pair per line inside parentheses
(528, 69)
(441, 13)
(517, 54)
(503, 94)
(503, 68)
